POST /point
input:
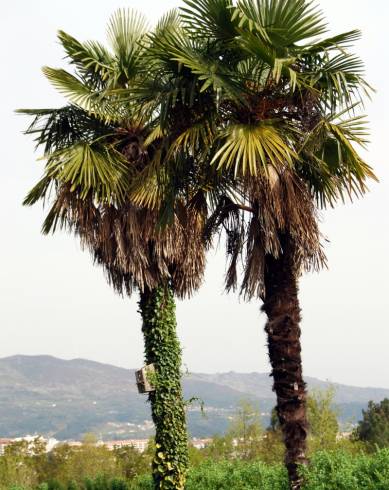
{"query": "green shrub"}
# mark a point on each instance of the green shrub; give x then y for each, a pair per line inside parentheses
(328, 470)
(341, 471)
(237, 475)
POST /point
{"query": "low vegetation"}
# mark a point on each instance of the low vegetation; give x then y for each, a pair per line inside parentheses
(328, 470)
(247, 457)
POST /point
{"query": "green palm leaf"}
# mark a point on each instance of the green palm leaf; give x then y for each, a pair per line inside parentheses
(91, 59)
(338, 42)
(281, 23)
(210, 18)
(333, 166)
(82, 94)
(340, 79)
(126, 29)
(56, 129)
(251, 148)
(88, 169)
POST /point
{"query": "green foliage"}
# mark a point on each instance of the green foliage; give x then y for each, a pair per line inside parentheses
(246, 440)
(237, 475)
(66, 464)
(23, 464)
(322, 419)
(328, 470)
(246, 429)
(374, 426)
(340, 471)
(27, 465)
(221, 448)
(252, 74)
(131, 462)
(162, 348)
(250, 149)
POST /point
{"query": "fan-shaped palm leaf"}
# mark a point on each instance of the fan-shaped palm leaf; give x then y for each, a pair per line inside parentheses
(251, 148)
(210, 18)
(91, 59)
(82, 94)
(55, 129)
(281, 23)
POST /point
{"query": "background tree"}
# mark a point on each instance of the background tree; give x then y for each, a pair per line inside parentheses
(24, 464)
(323, 420)
(374, 426)
(246, 430)
(221, 448)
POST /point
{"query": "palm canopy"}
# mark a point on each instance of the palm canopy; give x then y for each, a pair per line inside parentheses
(269, 103)
(286, 96)
(99, 149)
(237, 106)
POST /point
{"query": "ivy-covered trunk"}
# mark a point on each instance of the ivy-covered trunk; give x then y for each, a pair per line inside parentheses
(282, 308)
(162, 349)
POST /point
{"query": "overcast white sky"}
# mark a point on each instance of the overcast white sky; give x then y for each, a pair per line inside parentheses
(53, 301)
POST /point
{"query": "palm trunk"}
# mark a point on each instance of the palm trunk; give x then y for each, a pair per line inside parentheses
(282, 308)
(162, 348)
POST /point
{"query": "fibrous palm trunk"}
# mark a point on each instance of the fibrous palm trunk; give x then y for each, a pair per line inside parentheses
(282, 308)
(162, 349)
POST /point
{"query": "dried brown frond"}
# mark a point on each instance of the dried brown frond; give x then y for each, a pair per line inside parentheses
(132, 249)
(281, 205)
(277, 203)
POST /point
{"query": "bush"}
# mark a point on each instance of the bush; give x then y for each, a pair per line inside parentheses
(340, 471)
(329, 470)
(237, 475)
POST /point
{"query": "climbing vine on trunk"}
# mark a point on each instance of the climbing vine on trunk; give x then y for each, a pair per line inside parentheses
(162, 348)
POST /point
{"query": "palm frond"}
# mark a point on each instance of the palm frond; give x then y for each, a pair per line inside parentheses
(251, 148)
(209, 18)
(41, 190)
(265, 52)
(126, 29)
(91, 59)
(281, 23)
(196, 139)
(333, 167)
(208, 70)
(91, 169)
(339, 79)
(148, 188)
(168, 22)
(81, 94)
(55, 129)
(338, 42)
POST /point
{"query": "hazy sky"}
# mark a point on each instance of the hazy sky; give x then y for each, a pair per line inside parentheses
(53, 301)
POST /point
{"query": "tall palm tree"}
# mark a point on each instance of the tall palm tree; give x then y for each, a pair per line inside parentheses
(280, 120)
(100, 149)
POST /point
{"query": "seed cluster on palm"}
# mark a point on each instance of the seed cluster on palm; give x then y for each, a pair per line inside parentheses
(227, 118)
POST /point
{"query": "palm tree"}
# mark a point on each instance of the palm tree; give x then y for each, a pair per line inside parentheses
(102, 152)
(280, 121)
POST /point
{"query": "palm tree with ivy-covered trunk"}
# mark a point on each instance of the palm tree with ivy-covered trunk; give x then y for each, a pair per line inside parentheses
(101, 153)
(280, 123)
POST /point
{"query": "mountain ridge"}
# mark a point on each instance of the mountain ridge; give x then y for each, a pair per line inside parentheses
(202, 374)
(66, 398)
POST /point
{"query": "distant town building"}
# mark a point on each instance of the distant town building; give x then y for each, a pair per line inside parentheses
(138, 444)
(201, 443)
(3, 444)
(50, 443)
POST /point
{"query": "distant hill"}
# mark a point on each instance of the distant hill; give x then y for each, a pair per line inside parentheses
(65, 399)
